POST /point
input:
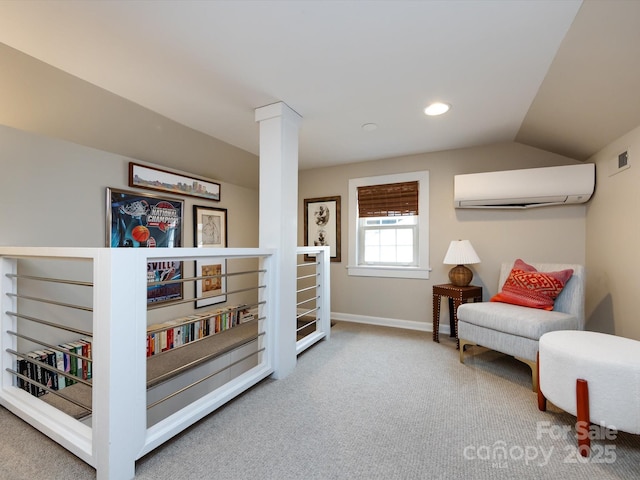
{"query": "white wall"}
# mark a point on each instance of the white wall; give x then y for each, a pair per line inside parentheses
(613, 230)
(550, 234)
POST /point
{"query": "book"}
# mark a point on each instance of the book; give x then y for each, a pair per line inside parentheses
(44, 375)
(177, 336)
(60, 366)
(70, 363)
(169, 338)
(76, 347)
(246, 315)
(23, 368)
(35, 373)
(51, 375)
(30, 372)
(87, 366)
(163, 340)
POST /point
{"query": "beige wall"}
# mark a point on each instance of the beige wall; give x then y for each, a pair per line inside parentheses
(551, 234)
(39, 98)
(54, 194)
(613, 230)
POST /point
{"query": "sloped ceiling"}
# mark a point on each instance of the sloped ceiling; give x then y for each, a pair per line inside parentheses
(589, 97)
(558, 75)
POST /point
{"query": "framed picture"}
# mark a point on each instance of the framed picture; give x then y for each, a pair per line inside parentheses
(143, 176)
(137, 220)
(209, 227)
(211, 290)
(322, 225)
(210, 231)
(161, 271)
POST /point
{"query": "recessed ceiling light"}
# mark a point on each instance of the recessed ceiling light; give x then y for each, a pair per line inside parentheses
(437, 108)
(369, 127)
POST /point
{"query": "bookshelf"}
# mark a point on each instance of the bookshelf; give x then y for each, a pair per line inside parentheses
(192, 328)
(171, 363)
(167, 365)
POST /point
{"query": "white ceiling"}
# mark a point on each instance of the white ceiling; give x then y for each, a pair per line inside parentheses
(339, 64)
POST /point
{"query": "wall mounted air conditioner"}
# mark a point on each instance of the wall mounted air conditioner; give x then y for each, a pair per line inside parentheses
(528, 188)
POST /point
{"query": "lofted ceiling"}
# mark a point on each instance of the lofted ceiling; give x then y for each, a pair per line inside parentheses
(559, 75)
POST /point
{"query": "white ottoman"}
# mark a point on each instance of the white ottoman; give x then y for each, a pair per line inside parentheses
(591, 375)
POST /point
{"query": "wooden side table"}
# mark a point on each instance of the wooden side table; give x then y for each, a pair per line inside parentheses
(457, 296)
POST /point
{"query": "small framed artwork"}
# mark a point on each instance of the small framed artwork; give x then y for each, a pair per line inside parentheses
(209, 227)
(152, 178)
(210, 231)
(322, 225)
(138, 220)
(212, 289)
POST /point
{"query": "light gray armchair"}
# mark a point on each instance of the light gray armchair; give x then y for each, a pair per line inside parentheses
(515, 330)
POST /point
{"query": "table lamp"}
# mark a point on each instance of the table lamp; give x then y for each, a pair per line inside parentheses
(460, 253)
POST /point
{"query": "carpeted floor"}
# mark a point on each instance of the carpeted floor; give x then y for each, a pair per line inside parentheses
(371, 403)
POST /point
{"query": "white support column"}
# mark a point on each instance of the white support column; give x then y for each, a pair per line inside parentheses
(279, 126)
(119, 367)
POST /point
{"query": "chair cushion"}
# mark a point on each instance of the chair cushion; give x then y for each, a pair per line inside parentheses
(515, 320)
(527, 287)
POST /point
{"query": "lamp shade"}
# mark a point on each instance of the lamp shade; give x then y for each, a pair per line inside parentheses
(461, 252)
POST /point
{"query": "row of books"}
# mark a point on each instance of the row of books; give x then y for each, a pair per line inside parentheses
(162, 337)
(61, 361)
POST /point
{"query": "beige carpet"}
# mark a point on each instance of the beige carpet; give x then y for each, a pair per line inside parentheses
(371, 403)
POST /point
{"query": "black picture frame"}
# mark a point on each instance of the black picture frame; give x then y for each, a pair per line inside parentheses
(322, 225)
(210, 231)
(141, 220)
(209, 227)
(153, 178)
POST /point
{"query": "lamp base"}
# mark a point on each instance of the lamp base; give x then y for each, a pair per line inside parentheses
(460, 276)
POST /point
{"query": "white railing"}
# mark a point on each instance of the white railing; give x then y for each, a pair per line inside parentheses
(314, 297)
(118, 432)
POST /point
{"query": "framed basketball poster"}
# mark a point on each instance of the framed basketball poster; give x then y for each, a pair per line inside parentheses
(137, 220)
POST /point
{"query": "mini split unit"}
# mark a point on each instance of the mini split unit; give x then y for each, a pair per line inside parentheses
(528, 188)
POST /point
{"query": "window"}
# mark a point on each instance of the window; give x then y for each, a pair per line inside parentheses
(388, 225)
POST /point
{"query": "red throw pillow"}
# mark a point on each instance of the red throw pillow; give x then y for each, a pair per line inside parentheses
(527, 287)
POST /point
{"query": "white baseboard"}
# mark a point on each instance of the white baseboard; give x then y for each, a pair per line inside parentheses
(389, 322)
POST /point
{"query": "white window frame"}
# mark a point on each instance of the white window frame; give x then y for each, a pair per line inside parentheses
(422, 270)
(412, 228)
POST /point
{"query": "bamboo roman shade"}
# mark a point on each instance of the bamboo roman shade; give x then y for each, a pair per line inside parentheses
(389, 200)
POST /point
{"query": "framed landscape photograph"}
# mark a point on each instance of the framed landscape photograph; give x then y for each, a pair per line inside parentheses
(152, 178)
(137, 220)
(322, 225)
(209, 227)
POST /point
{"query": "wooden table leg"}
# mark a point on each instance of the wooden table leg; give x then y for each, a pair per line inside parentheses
(436, 317)
(456, 303)
(452, 321)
